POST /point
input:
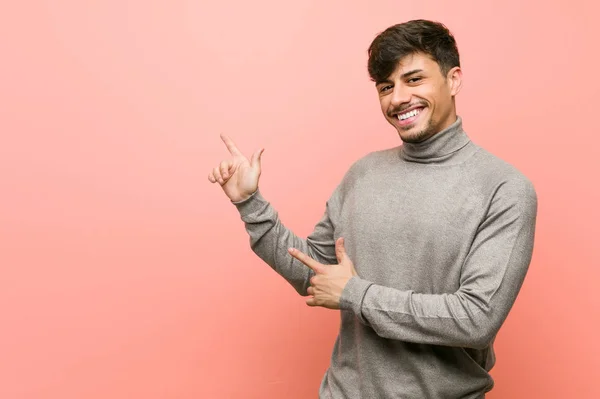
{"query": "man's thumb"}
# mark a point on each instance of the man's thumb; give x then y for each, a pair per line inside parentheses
(340, 250)
(255, 161)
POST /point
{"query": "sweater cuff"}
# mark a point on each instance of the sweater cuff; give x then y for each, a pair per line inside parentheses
(353, 295)
(251, 204)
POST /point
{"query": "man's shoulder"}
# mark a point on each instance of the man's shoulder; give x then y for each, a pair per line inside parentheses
(376, 158)
(365, 165)
(492, 170)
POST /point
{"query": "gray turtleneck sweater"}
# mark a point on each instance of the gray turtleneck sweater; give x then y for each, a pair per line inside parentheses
(441, 235)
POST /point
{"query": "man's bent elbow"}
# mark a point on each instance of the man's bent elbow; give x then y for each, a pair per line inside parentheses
(480, 338)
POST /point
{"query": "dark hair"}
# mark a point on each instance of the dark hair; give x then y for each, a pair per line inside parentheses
(394, 43)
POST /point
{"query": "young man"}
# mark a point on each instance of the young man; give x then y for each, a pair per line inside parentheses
(423, 247)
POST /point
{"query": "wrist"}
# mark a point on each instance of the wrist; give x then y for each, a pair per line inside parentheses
(353, 295)
(243, 198)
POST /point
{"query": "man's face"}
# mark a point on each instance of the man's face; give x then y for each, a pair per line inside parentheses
(417, 99)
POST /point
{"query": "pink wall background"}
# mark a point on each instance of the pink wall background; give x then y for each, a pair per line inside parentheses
(125, 274)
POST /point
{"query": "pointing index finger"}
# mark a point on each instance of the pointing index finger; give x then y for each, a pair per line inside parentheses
(230, 145)
(307, 260)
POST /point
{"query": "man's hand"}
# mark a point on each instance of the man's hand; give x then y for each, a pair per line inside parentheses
(329, 280)
(237, 176)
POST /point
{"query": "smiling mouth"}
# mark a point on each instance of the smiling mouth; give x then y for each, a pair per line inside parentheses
(409, 116)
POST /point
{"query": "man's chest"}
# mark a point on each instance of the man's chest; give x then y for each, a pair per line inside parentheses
(412, 233)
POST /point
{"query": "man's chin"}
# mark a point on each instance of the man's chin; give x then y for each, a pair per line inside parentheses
(413, 135)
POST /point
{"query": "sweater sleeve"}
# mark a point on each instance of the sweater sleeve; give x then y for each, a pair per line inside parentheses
(270, 240)
(491, 278)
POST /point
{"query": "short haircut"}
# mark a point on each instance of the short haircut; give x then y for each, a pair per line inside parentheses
(416, 36)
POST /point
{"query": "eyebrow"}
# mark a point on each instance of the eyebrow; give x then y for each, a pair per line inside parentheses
(404, 75)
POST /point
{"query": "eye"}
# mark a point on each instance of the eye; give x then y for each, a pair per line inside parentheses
(414, 80)
(385, 88)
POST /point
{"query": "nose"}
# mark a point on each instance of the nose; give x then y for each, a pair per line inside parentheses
(401, 95)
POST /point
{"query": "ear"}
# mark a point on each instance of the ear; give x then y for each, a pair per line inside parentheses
(454, 79)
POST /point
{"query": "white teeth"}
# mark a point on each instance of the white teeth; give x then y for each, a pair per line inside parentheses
(408, 114)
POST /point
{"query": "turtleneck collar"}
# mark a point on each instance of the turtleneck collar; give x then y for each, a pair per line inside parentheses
(438, 148)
